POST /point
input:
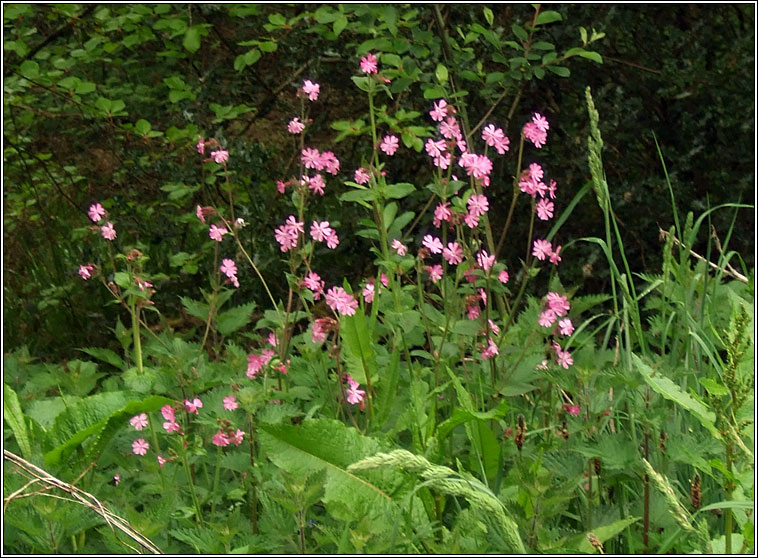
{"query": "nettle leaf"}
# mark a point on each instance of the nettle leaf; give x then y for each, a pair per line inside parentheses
(356, 347)
(98, 417)
(106, 355)
(461, 416)
(195, 308)
(326, 444)
(671, 391)
(234, 319)
(15, 418)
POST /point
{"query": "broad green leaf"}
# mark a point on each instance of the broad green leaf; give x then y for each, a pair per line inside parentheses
(548, 16)
(461, 416)
(519, 31)
(603, 533)
(441, 73)
(142, 126)
(560, 70)
(591, 55)
(339, 25)
(99, 417)
(192, 39)
(356, 347)
(195, 308)
(328, 444)
(434, 92)
(234, 319)
(668, 389)
(106, 355)
(399, 191)
(713, 387)
(15, 419)
(359, 196)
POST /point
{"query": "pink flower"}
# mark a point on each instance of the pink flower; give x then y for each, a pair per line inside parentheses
(566, 327)
(478, 204)
(108, 232)
(490, 351)
(85, 271)
(321, 231)
(535, 172)
(544, 209)
(171, 426)
(330, 162)
(311, 158)
(314, 283)
(341, 301)
(439, 112)
(193, 406)
(435, 272)
(237, 437)
(493, 327)
(389, 145)
(320, 328)
(139, 421)
(534, 134)
(541, 249)
(551, 189)
(383, 279)
(368, 64)
(478, 166)
(220, 156)
(168, 412)
(473, 311)
(368, 292)
(442, 213)
(287, 234)
(573, 410)
(564, 359)
(354, 395)
(453, 253)
(471, 219)
(433, 243)
(558, 304)
(201, 146)
(228, 268)
(140, 447)
(281, 186)
(161, 461)
(96, 212)
(435, 148)
(332, 241)
(495, 137)
(399, 247)
(554, 257)
(294, 126)
(503, 277)
(116, 479)
(547, 318)
(450, 129)
(254, 364)
(443, 161)
(361, 176)
(217, 233)
(311, 89)
(230, 403)
(485, 261)
(220, 439)
(540, 121)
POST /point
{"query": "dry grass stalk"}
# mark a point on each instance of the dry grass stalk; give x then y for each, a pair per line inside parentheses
(78, 496)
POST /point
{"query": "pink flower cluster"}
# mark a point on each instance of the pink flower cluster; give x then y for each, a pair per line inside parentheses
(536, 130)
(256, 362)
(341, 301)
(321, 327)
(169, 414)
(314, 283)
(229, 268)
(287, 235)
(311, 89)
(557, 306)
(313, 159)
(227, 436)
(495, 137)
(542, 249)
(322, 232)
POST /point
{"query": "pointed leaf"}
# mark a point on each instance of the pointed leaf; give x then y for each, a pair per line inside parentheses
(15, 419)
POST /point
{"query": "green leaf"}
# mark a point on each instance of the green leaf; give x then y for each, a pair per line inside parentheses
(339, 25)
(488, 15)
(441, 73)
(15, 419)
(99, 417)
(603, 533)
(591, 55)
(434, 92)
(142, 126)
(234, 319)
(548, 16)
(668, 389)
(122, 279)
(105, 355)
(192, 38)
(356, 347)
(560, 70)
(325, 444)
(714, 387)
(29, 69)
(461, 416)
(359, 196)
(519, 31)
(399, 190)
(195, 308)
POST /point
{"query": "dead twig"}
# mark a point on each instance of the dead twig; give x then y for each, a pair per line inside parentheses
(78, 496)
(729, 270)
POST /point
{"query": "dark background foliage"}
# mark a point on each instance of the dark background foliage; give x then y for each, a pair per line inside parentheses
(78, 78)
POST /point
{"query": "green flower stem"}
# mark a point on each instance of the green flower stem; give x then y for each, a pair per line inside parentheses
(135, 333)
(215, 479)
(154, 436)
(198, 511)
